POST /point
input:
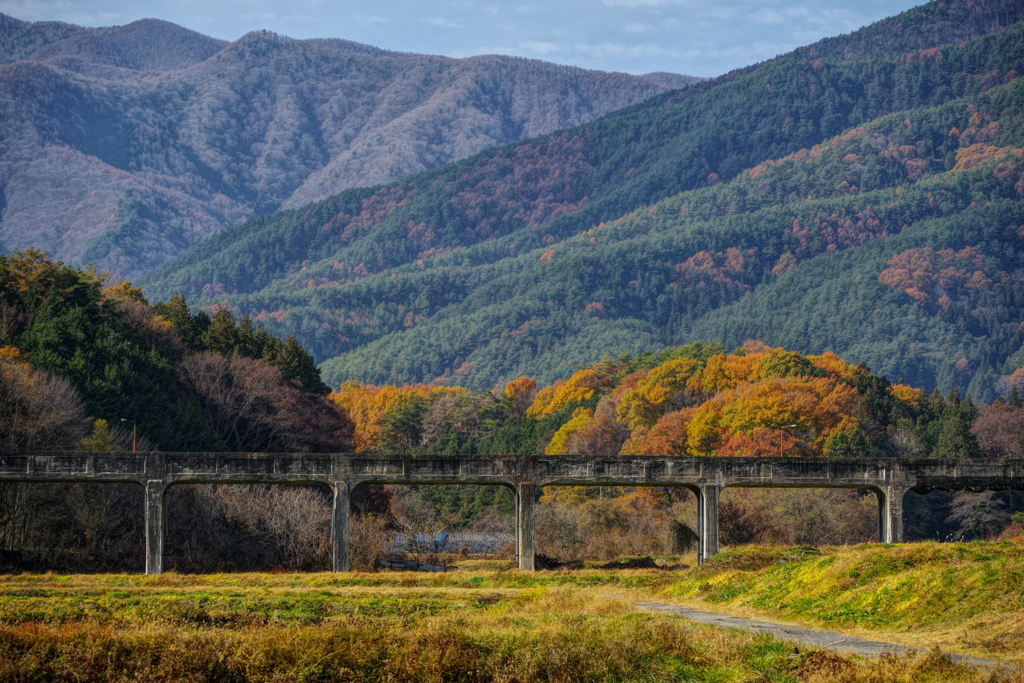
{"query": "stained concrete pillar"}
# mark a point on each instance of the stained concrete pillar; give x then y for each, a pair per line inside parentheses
(156, 525)
(707, 521)
(340, 516)
(890, 514)
(526, 525)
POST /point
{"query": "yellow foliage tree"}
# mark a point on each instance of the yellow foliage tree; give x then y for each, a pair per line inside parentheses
(724, 371)
(901, 392)
(656, 394)
(100, 440)
(124, 291)
(703, 433)
(580, 387)
(580, 420)
(369, 407)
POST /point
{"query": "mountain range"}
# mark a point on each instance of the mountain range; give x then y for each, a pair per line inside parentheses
(123, 146)
(861, 195)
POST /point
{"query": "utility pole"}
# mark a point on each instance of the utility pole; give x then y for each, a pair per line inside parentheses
(135, 433)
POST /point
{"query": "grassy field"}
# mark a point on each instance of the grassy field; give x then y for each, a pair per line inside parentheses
(474, 625)
(966, 598)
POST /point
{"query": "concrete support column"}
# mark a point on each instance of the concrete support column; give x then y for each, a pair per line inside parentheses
(707, 521)
(156, 525)
(340, 517)
(526, 525)
(890, 514)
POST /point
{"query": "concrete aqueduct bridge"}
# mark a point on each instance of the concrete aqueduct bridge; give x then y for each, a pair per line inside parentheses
(890, 479)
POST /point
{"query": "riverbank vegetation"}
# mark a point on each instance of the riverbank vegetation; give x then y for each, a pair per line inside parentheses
(465, 626)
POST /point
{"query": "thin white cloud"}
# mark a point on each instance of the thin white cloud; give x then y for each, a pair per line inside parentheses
(371, 18)
(442, 22)
(637, 28)
(637, 4)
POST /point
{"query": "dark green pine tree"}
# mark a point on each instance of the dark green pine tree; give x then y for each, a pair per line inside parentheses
(249, 342)
(955, 438)
(222, 335)
(177, 312)
(1015, 399)
(295, 363)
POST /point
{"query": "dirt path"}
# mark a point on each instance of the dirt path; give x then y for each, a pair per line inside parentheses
(821, 639)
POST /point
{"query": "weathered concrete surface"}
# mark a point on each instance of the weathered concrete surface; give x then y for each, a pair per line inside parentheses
(890, 479)
(822, 639)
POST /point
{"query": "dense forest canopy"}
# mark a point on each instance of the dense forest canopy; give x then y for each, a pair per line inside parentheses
(861, 196)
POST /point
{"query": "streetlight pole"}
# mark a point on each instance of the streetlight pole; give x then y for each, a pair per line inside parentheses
(135, 433)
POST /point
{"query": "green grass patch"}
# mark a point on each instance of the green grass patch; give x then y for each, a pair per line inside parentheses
(957, 592)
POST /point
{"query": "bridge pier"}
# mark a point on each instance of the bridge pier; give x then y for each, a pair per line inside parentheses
(890, 514)
(526, 525)
(707, 521)
(156, 525)
(340, 517)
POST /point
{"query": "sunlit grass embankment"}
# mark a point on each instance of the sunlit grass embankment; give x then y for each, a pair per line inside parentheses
(963, 597)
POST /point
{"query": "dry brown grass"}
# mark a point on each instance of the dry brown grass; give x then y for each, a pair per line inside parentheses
(462, 626)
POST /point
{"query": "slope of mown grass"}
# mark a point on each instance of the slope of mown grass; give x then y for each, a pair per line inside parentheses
(463, 626)
(964, 596)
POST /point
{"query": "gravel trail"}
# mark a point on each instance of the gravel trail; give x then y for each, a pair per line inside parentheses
(820, 639)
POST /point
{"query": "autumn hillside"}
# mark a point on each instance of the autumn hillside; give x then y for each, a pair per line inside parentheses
(860, 196)
(80, 356)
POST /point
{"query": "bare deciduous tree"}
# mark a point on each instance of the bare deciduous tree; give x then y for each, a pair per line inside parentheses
(978, 515)
(905, 444)
(37, 411)
(251, 407)
(237, 396)
(999, 429)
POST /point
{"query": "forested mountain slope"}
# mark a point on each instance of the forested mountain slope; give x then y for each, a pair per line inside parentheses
(122, 146)
(144, 45)
(724, 211)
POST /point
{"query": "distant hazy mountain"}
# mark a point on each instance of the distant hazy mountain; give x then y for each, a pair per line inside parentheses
(123, 146)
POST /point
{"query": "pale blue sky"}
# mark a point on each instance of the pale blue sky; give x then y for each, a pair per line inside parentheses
(698, 38)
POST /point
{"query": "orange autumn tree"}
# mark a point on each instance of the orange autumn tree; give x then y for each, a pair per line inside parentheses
(521, 392)
(601, 432)
(369, 406)
(775, 416)
(724, 371)
(758, 402)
